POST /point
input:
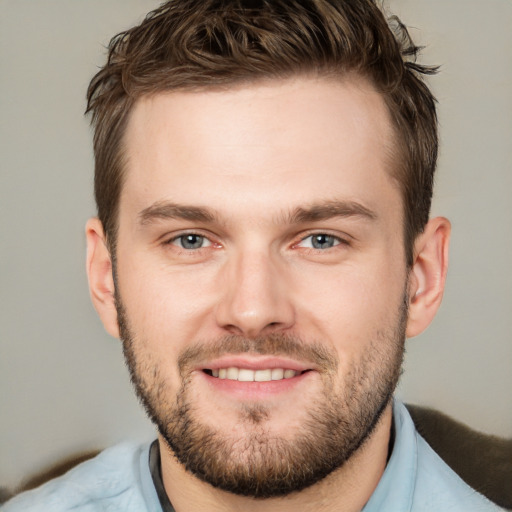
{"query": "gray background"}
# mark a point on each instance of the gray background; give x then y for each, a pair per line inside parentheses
(63, 386)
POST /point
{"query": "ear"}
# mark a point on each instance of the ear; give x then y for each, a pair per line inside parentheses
(99, 274)
(428, 275)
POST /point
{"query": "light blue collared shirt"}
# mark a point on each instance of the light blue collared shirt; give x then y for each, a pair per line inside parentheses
(416, 479)
(119, 480)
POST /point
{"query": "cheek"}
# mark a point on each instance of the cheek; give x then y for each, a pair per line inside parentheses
(351, 305)
(165, 305)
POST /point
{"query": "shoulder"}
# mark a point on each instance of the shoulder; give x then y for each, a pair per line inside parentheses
(416, 479)
(438, 487)
(110, 481)
(483, 461)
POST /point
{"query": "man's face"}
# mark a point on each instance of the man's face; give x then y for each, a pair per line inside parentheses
(261, 276)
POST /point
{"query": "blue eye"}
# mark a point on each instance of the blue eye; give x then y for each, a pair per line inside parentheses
(320, 241)
(191, 241)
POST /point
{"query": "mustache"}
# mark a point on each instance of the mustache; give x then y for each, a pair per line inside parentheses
(276, 344)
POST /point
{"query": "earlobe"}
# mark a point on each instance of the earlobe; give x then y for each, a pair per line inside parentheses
(99, 274)
(428, 274)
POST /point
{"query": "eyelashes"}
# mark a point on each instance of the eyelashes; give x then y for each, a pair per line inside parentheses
(319, 241)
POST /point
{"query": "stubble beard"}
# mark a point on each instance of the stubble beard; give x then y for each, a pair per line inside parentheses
(259, 463)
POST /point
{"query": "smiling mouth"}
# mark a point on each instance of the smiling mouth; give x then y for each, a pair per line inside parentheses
(247, 375)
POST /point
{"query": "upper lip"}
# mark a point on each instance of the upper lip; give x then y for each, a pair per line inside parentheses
(256, 362)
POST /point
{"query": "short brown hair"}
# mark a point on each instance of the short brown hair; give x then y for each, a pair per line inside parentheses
(198, 44)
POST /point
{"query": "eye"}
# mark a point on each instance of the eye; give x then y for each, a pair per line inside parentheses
(191, 241)
(319, 241)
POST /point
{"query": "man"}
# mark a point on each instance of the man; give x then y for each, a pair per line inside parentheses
(263, 247)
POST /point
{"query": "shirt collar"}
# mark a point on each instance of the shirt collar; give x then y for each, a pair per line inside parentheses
(395, 490)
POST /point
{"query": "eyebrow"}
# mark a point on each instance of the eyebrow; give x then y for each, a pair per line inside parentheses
(166, 210)
(314, 213)
(329, 210)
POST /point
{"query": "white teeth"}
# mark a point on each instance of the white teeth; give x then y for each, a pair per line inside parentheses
(277, 374)
(262, 375)
(232, 373)
(246, 375)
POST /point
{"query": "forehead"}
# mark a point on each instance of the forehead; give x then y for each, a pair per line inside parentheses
(283, 141)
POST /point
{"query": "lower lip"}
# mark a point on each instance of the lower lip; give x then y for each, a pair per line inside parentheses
(255, 390)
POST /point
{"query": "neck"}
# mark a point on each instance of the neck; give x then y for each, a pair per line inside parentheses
(345, 490)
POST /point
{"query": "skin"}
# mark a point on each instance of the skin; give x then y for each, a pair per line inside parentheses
(251, 157)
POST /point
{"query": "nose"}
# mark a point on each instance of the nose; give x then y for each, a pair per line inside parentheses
(256, 298)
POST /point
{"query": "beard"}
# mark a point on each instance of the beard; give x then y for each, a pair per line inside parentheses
(256, 462)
